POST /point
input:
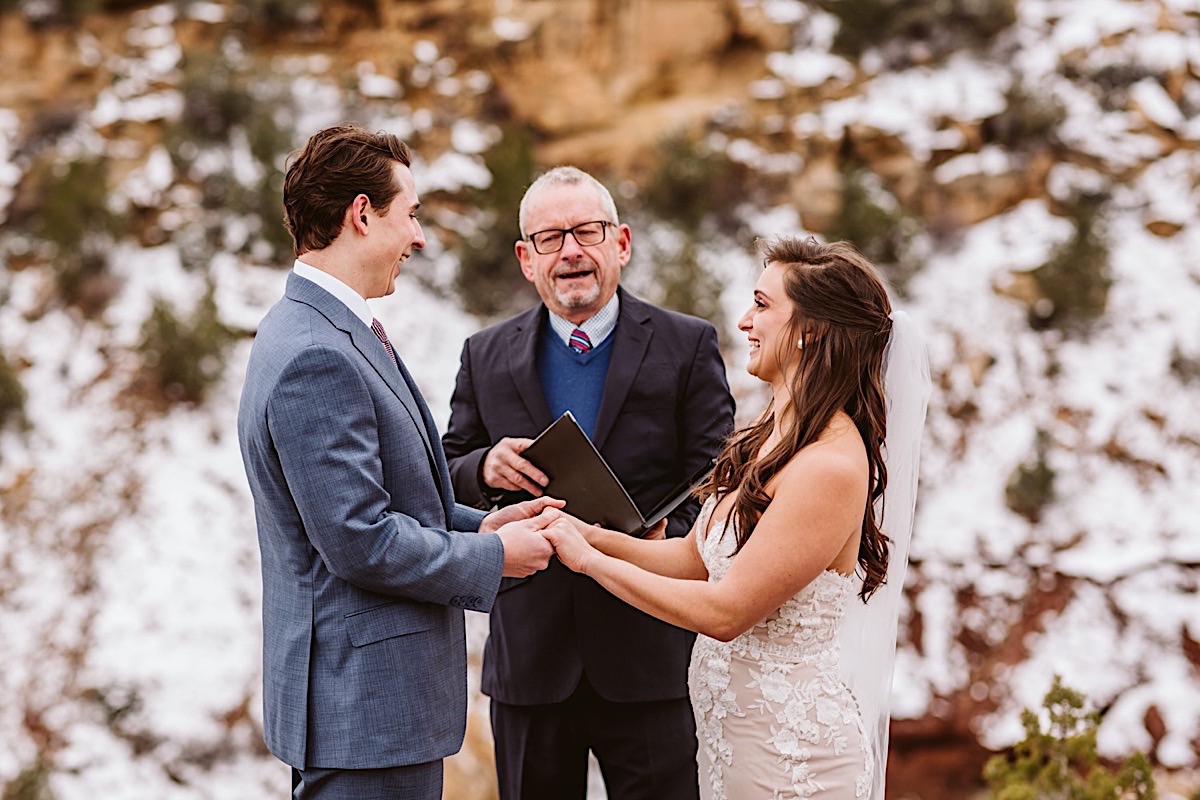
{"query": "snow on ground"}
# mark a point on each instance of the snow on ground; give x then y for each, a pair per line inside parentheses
(171, 652)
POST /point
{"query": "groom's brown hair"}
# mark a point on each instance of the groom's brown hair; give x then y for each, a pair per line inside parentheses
(336, 165)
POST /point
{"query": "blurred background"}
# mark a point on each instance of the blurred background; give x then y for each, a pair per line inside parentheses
(1025, 172)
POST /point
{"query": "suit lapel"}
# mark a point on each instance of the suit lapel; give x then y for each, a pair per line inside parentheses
(631, 340)
(398, 380)
(369, 346)
(433, 445)
(522, 365)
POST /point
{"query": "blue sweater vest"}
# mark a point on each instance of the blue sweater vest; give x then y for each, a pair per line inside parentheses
(572, 380)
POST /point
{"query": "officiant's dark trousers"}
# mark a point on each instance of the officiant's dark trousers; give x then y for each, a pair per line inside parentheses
(647, 751)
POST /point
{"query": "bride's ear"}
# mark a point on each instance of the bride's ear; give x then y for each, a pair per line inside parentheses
(813, 330)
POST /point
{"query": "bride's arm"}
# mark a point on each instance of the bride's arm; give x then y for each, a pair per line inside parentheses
(811, 523)
(673, 557)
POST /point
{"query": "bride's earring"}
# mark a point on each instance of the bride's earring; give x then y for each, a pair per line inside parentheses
(800, 343)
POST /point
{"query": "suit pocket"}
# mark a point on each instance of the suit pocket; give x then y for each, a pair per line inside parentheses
(649, 405)
(386, 622)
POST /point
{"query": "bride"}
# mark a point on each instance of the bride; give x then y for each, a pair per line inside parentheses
(789, 554)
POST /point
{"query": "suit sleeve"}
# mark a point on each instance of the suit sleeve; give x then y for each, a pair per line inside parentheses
(326, 428)
(466, 518)
(466, 440)
(705, 418)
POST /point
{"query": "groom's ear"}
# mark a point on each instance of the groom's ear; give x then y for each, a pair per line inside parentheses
(356, 215)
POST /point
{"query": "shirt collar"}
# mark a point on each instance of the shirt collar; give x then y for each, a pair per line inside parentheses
(598, 327)
(348, 297)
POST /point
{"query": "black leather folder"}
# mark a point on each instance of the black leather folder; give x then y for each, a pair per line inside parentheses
(579, 475)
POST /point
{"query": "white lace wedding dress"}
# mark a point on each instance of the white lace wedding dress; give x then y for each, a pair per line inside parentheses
(773, 717)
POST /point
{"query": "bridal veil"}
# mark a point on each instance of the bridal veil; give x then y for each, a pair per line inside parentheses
(868, 638)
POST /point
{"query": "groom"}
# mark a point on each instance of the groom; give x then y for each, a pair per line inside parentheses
(366, 568)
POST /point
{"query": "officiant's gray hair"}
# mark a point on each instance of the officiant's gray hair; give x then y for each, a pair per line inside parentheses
(568, 175)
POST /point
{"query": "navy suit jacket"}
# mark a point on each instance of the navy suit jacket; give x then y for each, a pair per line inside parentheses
(666, 411)
(364, 574)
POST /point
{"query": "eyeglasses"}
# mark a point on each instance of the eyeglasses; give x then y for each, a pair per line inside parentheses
(553, 239)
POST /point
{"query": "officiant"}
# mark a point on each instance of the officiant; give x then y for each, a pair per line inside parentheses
(569, 668)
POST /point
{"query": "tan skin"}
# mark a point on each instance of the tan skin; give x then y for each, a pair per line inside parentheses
(812, 523)
(374, 242)
(574, 283)
(366, 256)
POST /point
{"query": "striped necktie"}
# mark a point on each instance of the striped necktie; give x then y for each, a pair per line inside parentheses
(580, 342)
(377, 326)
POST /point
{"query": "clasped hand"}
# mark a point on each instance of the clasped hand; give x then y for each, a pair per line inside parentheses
(520, 527)
(569, 536)
(534, 530)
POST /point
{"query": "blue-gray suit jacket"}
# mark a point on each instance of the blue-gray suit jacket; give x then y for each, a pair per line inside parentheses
(364, 576)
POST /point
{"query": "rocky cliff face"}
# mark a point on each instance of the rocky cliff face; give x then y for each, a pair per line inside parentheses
(1026, 172)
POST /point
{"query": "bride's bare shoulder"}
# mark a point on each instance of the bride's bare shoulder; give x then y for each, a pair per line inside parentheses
(836, 462)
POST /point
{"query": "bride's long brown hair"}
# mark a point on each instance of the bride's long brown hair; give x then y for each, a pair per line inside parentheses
(841, 308)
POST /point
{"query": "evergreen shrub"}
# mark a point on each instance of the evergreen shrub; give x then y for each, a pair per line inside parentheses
(1075, 281)
(876, 224)
(12, 395)
(1030, 488)
(182, 359)
(1058, 759)
(489, 280)
(938, 26)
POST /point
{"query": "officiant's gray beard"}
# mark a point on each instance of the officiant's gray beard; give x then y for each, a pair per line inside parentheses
(579, 299)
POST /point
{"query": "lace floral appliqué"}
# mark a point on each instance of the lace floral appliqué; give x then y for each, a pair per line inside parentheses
(790, 693)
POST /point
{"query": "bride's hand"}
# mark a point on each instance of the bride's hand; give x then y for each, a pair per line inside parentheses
(569, 543)
(588, 531)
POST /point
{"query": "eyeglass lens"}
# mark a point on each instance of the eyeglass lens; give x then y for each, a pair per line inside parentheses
(585, 233)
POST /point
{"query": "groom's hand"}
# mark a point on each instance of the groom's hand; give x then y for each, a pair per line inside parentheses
(526, 550)
(518, 511)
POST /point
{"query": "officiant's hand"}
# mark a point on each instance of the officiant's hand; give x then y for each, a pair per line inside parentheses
(659, 531)
(505, 468)
(570, 545)
(518, 511)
